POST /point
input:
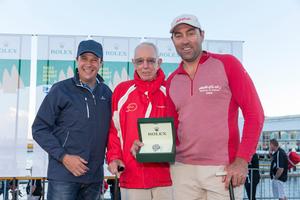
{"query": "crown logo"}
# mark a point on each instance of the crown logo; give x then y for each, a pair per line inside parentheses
(116, 47)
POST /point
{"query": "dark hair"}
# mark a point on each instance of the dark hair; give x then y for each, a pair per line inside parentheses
(274, 142)
(200, 30)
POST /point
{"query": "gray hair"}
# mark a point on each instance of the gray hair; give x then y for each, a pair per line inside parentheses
(147, 44)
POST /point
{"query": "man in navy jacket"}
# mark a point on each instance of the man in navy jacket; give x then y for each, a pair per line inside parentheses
(72, 126)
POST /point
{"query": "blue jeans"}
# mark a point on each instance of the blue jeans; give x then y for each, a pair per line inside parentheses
(73, 191)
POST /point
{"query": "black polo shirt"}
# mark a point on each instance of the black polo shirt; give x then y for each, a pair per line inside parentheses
(279, 160)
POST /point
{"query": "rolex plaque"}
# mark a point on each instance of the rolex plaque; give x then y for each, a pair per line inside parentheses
(158, 136)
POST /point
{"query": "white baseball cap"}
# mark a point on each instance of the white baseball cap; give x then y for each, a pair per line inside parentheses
(185, 19)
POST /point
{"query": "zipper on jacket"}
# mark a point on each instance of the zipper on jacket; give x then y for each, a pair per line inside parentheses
(146, 94)
(68, 133)
(192, 87)
(87, 108)
(94, 98)
(149, 107)
(192, 79)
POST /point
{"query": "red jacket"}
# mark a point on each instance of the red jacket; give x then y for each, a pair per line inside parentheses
(207, 111)
(293, 158)
(132, 100)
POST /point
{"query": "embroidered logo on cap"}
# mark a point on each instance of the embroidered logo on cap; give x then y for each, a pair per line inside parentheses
(183, 19)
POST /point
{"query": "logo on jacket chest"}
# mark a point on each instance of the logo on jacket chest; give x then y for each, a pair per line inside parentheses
(131, 107)
(210, 89)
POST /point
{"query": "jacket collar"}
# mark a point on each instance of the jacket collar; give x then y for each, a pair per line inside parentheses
(150, 86)
(205, 55)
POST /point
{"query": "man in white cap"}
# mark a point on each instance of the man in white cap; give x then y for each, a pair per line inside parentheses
(206, 92)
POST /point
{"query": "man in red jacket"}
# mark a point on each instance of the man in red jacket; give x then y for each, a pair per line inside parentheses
(207, 91)
(143, 97)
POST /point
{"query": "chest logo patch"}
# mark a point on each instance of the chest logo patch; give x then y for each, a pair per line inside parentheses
(210, 89)
(131, 107)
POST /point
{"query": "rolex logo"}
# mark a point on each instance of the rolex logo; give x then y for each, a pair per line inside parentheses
(156, 128)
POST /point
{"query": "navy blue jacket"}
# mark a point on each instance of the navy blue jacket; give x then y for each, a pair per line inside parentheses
(73, 119)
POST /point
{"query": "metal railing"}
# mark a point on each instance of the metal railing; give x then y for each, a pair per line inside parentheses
(14, 188)
(264, 187)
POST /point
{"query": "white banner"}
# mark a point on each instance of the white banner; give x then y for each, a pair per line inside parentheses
(116, 59)
(133, 42)
(58, 47)
(169, 55)
(225, 47)
(166, 49)
(15, 46)
(15, 53)
(115, 49)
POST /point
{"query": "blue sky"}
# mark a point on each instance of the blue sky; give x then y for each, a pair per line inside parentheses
(270, 29)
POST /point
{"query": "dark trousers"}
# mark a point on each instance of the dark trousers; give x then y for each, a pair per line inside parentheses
(248, 189)
(59, 190)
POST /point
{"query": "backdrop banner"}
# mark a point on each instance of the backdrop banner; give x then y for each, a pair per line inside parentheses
(15, 55)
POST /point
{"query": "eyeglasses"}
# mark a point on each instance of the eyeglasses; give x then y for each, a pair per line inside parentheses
(140, 61)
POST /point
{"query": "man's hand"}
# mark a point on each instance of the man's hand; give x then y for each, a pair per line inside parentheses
(135, 147)
(236, 172)
(114, 165)
(75, 164)
(278, 173)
